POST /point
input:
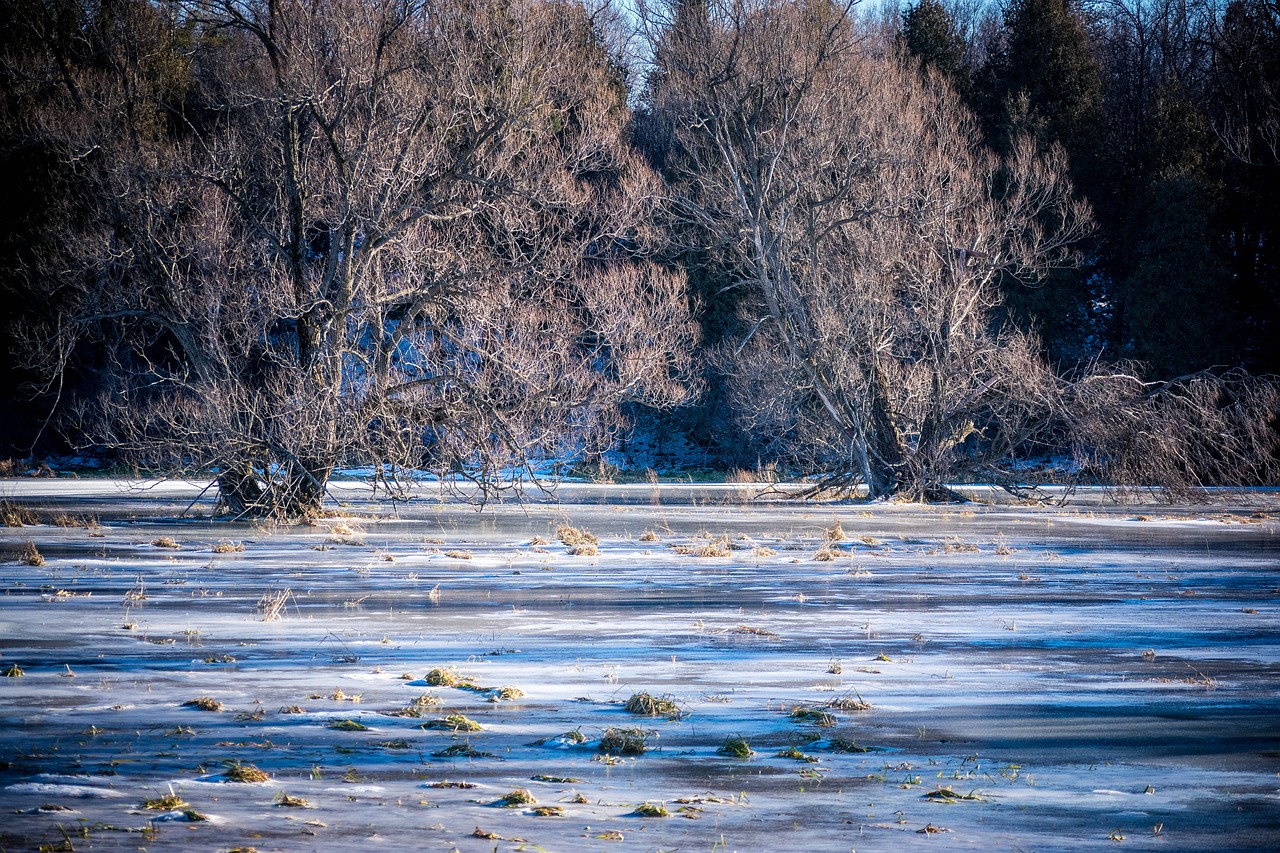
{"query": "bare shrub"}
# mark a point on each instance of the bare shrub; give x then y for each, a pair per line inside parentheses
(1179, 436)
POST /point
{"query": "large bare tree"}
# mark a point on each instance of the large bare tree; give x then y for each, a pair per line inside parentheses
(867, 230)
(406, 232)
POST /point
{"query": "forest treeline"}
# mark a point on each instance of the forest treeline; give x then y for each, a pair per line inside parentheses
(893, 247)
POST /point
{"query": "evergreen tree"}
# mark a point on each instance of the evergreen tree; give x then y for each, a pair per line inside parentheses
(1042, 81)
(931, 34)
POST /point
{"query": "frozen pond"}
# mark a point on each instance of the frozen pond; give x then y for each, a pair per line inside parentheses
(973, 677)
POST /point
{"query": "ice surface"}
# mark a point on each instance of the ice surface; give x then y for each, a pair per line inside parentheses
(1083, 672)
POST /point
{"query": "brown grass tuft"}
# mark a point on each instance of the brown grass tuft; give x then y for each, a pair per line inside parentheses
(572, 536)
(30, 555)
(16, 515)
(237, 772)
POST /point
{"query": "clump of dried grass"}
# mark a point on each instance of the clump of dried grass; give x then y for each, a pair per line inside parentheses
(623, 741)
(16, 515)
(227, 547)
(834, 533)
(13, 671)
(272, 604)
(756, 632)
(549, 811)
(648, 536)
(286, 801)
(736, 746)
(720, 547)
(443, 678)
(816, 716)
(584, 551)
(348, 726)
(840, 743)
(29, 555)
(946, 795)
(165, 803)
(453, 723)
(538, 541)
(238, 772)
(572, 536)
(647, 705)
(166, 542)
(345, 533)
(651, 810)
(506, 694)
(461, 750)
(848, 702)
(458, 554)
(515, 799)
(204, 703)
(796, 755)
(825, 555)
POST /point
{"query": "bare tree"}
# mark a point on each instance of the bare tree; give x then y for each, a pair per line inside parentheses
(373, 231)
(868, 230)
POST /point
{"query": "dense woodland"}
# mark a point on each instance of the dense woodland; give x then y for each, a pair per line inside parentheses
(892, 247)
